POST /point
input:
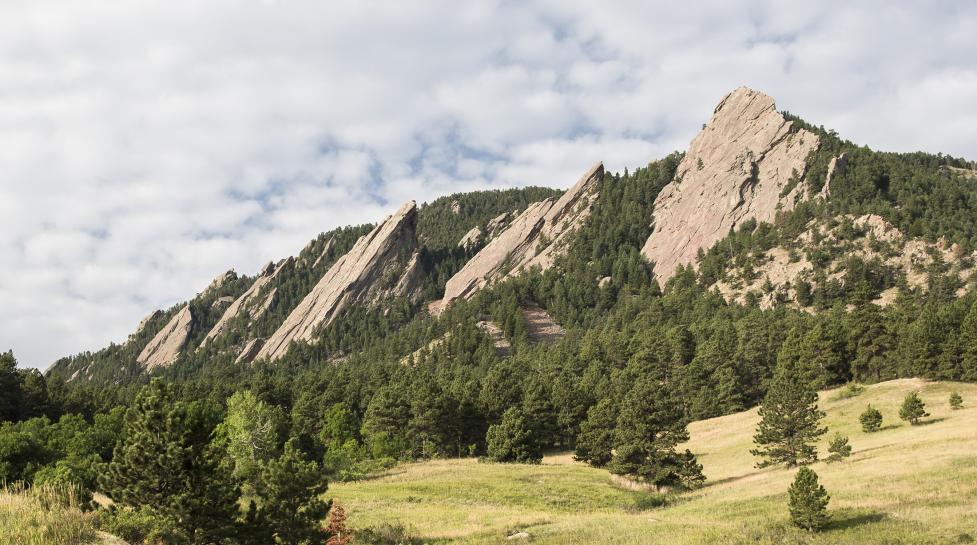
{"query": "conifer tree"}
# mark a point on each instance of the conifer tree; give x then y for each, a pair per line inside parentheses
(956, 401)
(789, 422)
(913, 409)
(514, 439)
(968, 344)
(808, 501)
(649, 426)
(871, 419)
(838, 448)
(595, 442)
(292, 509)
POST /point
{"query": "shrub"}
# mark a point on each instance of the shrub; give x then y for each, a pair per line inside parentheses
(871, 419)
(838, 448)
(913, 409)
(956, 401)
(513, 440)
(808, 501)
(852, 390)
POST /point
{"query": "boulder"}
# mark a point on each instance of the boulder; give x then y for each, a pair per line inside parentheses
(373, 270)
(748, 162)
(165, 347)
(532, 239)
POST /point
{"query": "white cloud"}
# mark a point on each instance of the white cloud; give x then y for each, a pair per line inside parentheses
(147, 146)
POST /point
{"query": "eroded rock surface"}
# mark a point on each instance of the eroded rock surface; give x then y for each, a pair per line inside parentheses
(374, 269)
(747, 163)
(255, 300)
(165, 347)
(534, 238)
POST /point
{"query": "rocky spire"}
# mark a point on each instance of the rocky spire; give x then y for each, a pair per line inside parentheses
(747, 163)
(165, 347)
(534, 238)
(374, 269)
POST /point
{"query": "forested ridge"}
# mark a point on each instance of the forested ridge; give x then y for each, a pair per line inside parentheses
(637, 359)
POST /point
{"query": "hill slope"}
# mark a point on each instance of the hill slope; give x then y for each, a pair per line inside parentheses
(902, 484)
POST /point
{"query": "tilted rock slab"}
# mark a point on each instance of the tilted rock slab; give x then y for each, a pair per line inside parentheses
(736, 169)
(165, 347)
(370, 271)
(248, 301)
(534, 238)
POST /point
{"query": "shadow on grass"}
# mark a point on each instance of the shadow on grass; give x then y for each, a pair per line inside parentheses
(727, 480)
(931, 421)
(848, 518)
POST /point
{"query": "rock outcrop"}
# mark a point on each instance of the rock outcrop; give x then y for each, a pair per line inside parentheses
(534, 238)
(165, 347)
(747, 163)
(219, 282)
(255, 300)
(374, 269)
(837, 166)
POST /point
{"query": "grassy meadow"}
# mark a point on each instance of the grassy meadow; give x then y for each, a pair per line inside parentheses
(902, 485)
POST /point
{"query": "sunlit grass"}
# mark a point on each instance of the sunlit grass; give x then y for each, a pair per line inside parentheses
(43, 515)
(902, 485)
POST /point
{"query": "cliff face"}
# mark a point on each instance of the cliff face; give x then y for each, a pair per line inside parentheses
(255, 300)
(747, 163)
(382, 264)
(165, 347)
(534, 238)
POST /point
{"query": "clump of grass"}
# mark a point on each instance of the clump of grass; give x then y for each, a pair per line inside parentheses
(853, 389)
(43, 515)
(651, 500)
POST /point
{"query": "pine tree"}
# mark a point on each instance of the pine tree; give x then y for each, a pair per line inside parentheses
(838, 448)
(869, 342)
(913, 409)
(595, 442)
(871, 419)
(789, 422)
(291, 509)
(649, 426)
(968, 344)
(808, 503)
(956, 401)
(514, 439)
(10, 382)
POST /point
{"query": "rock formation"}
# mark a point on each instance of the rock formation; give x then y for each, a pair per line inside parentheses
(374, 269)
(255, 300)
(838, 165)
(165, 347)
(534, 238)
(219, 282)
(747, 163)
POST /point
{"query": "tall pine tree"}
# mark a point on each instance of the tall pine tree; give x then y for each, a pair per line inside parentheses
(789, 422)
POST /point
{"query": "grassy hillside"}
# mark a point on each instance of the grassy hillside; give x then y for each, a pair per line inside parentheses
(902, 485)
(43, 516)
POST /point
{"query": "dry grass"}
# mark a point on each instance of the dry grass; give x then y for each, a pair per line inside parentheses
(902, 485)
(43, 515)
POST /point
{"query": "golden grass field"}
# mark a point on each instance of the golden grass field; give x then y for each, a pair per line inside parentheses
(43, 516)
(902, 485)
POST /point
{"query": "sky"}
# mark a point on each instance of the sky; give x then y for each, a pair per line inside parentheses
(148, 146)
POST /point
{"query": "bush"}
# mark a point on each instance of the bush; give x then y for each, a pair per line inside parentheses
(871, 419)
(513, 440)
(852, 390)
(838, 448)
(913, 409)
(808, 503)
(956, 401)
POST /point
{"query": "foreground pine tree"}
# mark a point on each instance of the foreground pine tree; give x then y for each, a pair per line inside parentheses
(513, 439)
(789, 422)
(292, 509)
(166, 465)
(808, 503)
(956, 401)
(650, 424)
(913, 409)
(871, 420)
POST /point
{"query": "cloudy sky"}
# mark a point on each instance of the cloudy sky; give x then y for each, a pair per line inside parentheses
(146, 146)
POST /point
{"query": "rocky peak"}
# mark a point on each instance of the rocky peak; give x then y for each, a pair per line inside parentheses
(748, 162)
(165, 347)
(534, 238)
(374, 269)
(255, 300)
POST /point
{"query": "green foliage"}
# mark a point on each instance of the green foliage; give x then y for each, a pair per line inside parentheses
(871, 419)
(595, 443)
(291, 508)
(956, 400)
(808, 501)
(789, 422)
(913, 409)
(838, 448)
(852, 390)
(513, 439)
(252, 432)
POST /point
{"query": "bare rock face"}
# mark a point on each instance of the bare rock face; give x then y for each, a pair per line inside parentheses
(219, 282)
(255, 300)
(145, 321)
(747, 163)
(165, 347)
(471, 238)
(534, 238)
(838, 165)
(372, 270)
(249, 351)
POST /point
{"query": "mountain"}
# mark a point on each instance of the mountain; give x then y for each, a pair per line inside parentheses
(763, 210)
